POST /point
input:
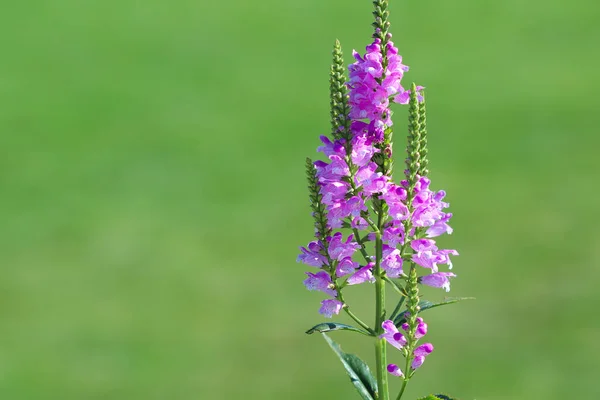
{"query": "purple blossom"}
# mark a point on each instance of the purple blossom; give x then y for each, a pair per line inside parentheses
(371, 181)
(393, 235)
(330, 307)
(334, 191)
(362, 150)
(392, 335)
(438, 280)
(440, 226)
(339, 249)
(420, 353)
(359, 223)
(391, 261)
(394, 370)
(419, 245)
(345, 266)
(421, 330)
(428, 208)
(312, 255)
(426, 259)
(320, 281)
(395, 197)
(330, 148)
(429, 256)
(364, 274)
(334, 171)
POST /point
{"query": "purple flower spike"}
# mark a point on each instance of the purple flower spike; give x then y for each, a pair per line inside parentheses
(392, 336)
(394, 370)
(438, 280)
(330, 307)
(320, 281)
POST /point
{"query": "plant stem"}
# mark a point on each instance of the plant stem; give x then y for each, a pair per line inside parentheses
(403, 387)
(363, 251)
(380, 348)
(358, 321)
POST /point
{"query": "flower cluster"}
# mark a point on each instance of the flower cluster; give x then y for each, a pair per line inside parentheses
(373, 82)
(349, 179)
(397, 339)
(428, 216)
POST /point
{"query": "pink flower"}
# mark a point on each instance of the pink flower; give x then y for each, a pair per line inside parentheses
(438, 280)
(330, 307)
(392, 335)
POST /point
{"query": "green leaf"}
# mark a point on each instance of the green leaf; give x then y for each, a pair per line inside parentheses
(437, 397)
(357, 369)
(335, 326)
(426, 305)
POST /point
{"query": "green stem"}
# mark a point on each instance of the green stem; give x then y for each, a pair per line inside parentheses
(380, 348)
(412, 306)
(359, 322)
(363, 250)
(404, 382)
(395, 286)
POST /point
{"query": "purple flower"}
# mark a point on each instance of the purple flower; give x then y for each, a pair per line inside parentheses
(362, 150)
(339, 250)
(426, 259)
(394, 370)
(393, 235)
(421, 330)
(428, 208)
(320, 281)
(420, 353)
(334, 191)
(392, 335)
(419, 245)
(440, 226)
(438, 280)
(331, 148)
(359, 223)
(312, 256)
(333, 171)
(391, 261)
(345, 267)
(421, 327)
(364, 274)
(429, 256)
(330, 307)
(371, 181)
(395, 196)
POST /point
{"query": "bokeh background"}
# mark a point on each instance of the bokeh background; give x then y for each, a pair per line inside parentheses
(152, 195)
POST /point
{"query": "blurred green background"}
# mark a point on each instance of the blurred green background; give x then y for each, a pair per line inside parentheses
(153, 195)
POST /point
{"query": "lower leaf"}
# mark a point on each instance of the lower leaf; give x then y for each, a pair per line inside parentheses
(357, 369)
